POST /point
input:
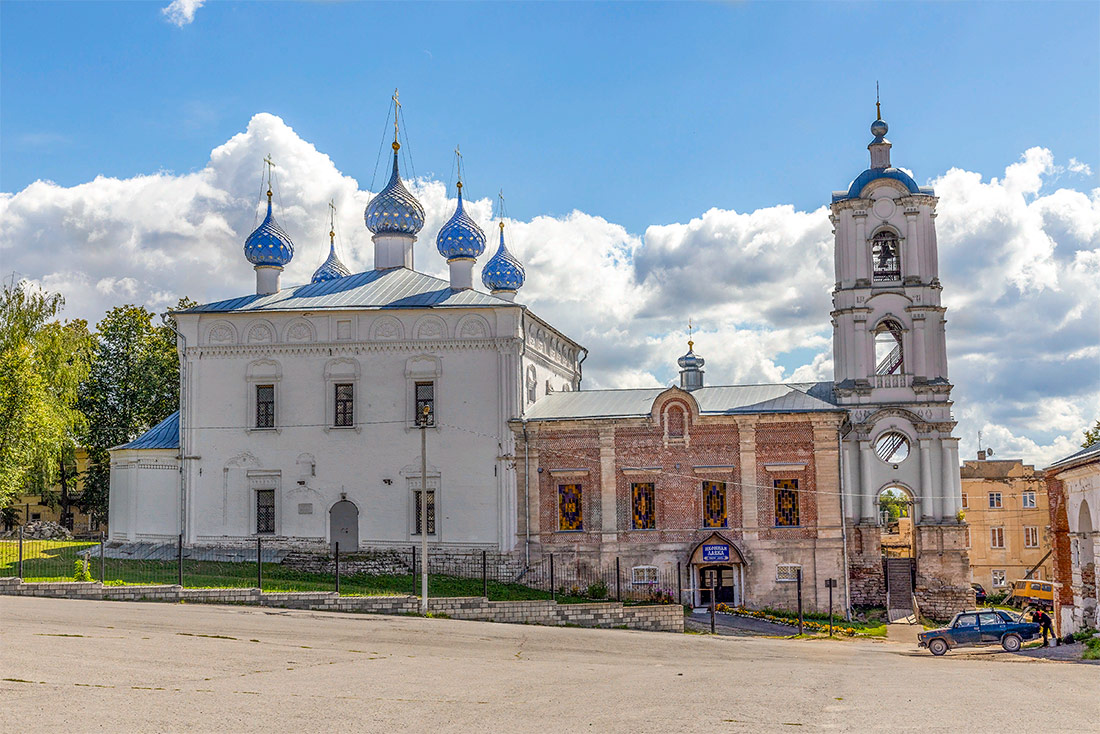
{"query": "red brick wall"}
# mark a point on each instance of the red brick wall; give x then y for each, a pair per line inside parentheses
(1059, 526)
(780, 443)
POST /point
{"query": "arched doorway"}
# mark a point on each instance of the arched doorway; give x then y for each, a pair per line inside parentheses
(717, 565)
(344, 527)
(896, 511)
(1086, 564)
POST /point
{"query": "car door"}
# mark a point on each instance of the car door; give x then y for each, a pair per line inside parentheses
(992, 627)
(965, 631)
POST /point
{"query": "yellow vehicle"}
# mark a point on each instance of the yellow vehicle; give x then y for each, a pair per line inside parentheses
(1027, 592)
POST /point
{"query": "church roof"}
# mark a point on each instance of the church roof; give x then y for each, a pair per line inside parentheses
(1084, 456)
(717, 400)
(874, 174)
(392, 288)
(164, 435)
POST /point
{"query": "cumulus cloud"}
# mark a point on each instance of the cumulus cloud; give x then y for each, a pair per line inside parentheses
(1020, 264)
(182, 12)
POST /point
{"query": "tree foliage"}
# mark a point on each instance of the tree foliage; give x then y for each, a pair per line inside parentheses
(133, 385)
(1092, 435)
(42, 363)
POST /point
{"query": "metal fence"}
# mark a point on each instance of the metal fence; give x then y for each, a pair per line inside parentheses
(395, 572)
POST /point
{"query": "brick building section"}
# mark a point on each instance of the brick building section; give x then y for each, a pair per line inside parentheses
(1059, 526)
(677, 450)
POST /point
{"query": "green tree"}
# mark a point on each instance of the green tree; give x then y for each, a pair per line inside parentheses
(133, 385)
(1092, 435)
(42, 362)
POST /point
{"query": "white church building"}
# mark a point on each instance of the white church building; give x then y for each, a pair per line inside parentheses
(298, 405)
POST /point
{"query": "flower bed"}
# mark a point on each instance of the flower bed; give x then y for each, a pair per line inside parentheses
(809, 625)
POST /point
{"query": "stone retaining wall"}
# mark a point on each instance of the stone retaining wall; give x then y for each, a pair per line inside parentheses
(659, 618)
(399, 561)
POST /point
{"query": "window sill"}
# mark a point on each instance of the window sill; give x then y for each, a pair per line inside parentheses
(570, 532)
(714, 527)
(273, 429)
(342, 429)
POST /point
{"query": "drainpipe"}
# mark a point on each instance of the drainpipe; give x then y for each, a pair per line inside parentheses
(526, 498)
(183, 449)
(843, 526)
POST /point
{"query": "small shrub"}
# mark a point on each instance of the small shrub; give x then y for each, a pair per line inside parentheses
(81, 570)
(596, 590)
(1092, 649)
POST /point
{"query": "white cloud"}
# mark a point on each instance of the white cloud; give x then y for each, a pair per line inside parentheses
(182, 12)
(1020, 266)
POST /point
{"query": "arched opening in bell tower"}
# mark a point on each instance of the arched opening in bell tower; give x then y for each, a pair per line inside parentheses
(889, 357)
(886, 257)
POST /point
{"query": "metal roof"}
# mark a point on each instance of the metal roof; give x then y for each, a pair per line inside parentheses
(1089, 453)
(164, 435)
(392, 288)
(718, 400)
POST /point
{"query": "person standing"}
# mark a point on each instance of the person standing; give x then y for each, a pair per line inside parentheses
(1044, 621)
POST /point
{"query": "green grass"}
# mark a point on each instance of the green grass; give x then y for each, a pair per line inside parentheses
(52, 560)
(1092, 649)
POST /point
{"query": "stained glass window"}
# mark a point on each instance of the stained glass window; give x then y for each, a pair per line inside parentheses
(714, 504)
(786, 503)
(644, 514)
(570, 507)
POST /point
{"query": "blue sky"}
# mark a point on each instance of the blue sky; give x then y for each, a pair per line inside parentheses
(638, 113)
(661, 162)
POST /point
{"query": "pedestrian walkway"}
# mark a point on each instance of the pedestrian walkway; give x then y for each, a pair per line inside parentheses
(731, 624)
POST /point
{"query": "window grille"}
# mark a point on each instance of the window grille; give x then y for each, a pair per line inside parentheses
(265, 511)
(644, 515)
(886, 257)
(570, 507)
(1031, 537)
(786, 503)
(643, 576)
(265, 406)
(997, 537)
(345, 405)
(998, 578)
(994, 500)
(1029, 500)
(787, 572)
(431, 512)
(714, 505)
(425, 397)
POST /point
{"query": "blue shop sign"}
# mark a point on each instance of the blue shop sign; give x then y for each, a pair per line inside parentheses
(716, 552)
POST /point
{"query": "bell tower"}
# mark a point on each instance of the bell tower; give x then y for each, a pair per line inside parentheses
(890, 366)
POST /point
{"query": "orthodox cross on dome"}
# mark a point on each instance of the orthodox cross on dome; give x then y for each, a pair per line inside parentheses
(332, 221)
(270, 165)
(458, 166)
(396, 110)
(691, 344)
(878, 105)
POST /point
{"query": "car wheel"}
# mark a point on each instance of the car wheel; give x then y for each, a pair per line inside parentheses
(1011, 643)
(937, 647)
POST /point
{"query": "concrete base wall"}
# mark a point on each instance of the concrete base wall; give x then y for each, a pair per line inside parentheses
(658, 618)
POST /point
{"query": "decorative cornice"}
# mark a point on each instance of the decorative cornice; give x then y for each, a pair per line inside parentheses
(344, 347)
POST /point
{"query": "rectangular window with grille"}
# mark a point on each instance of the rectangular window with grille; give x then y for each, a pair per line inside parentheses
(431, 512)
(345, 405)
(425, 398)
(265, 406)
(570, 507)
(1029, 500)
(643, 576)
(644, 511)
(1031, 537)
(786, 503)
(787, 572)
(265, 511)
(996, 537)
(714, 505)
(995, 500)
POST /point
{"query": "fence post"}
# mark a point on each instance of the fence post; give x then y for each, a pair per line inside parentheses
(679, 584)
(20, 551)
(259, 563)
(712, 608)
(800, 601)
(413, 569)
(618, 581)
(484, 575)
(553, 589)
(337, 568)
(179, 560)
(102, 542)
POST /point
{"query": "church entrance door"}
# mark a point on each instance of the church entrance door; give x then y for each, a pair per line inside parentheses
(719, 578)
(344, 527)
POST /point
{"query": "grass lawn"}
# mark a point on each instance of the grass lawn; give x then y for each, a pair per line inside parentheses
(55, 560)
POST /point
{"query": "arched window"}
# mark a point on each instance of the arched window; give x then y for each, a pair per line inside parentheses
(675, 422)
(889, 359)
(886, 257)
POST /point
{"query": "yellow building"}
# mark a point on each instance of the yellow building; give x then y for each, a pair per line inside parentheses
(32, 507)
(1008, 533)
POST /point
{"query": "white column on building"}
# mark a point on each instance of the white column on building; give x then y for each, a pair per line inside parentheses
(747, 471)
(948, 470)
(862, 348)
(927, 508)
(912, 245)
(918, 365)
(862, 258)
(867, 492)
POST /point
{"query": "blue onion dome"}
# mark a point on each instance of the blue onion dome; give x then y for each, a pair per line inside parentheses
(331, 268)
(394, 210)
(503, 272)
(691, 359)
(460, 238)
(269, 244)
